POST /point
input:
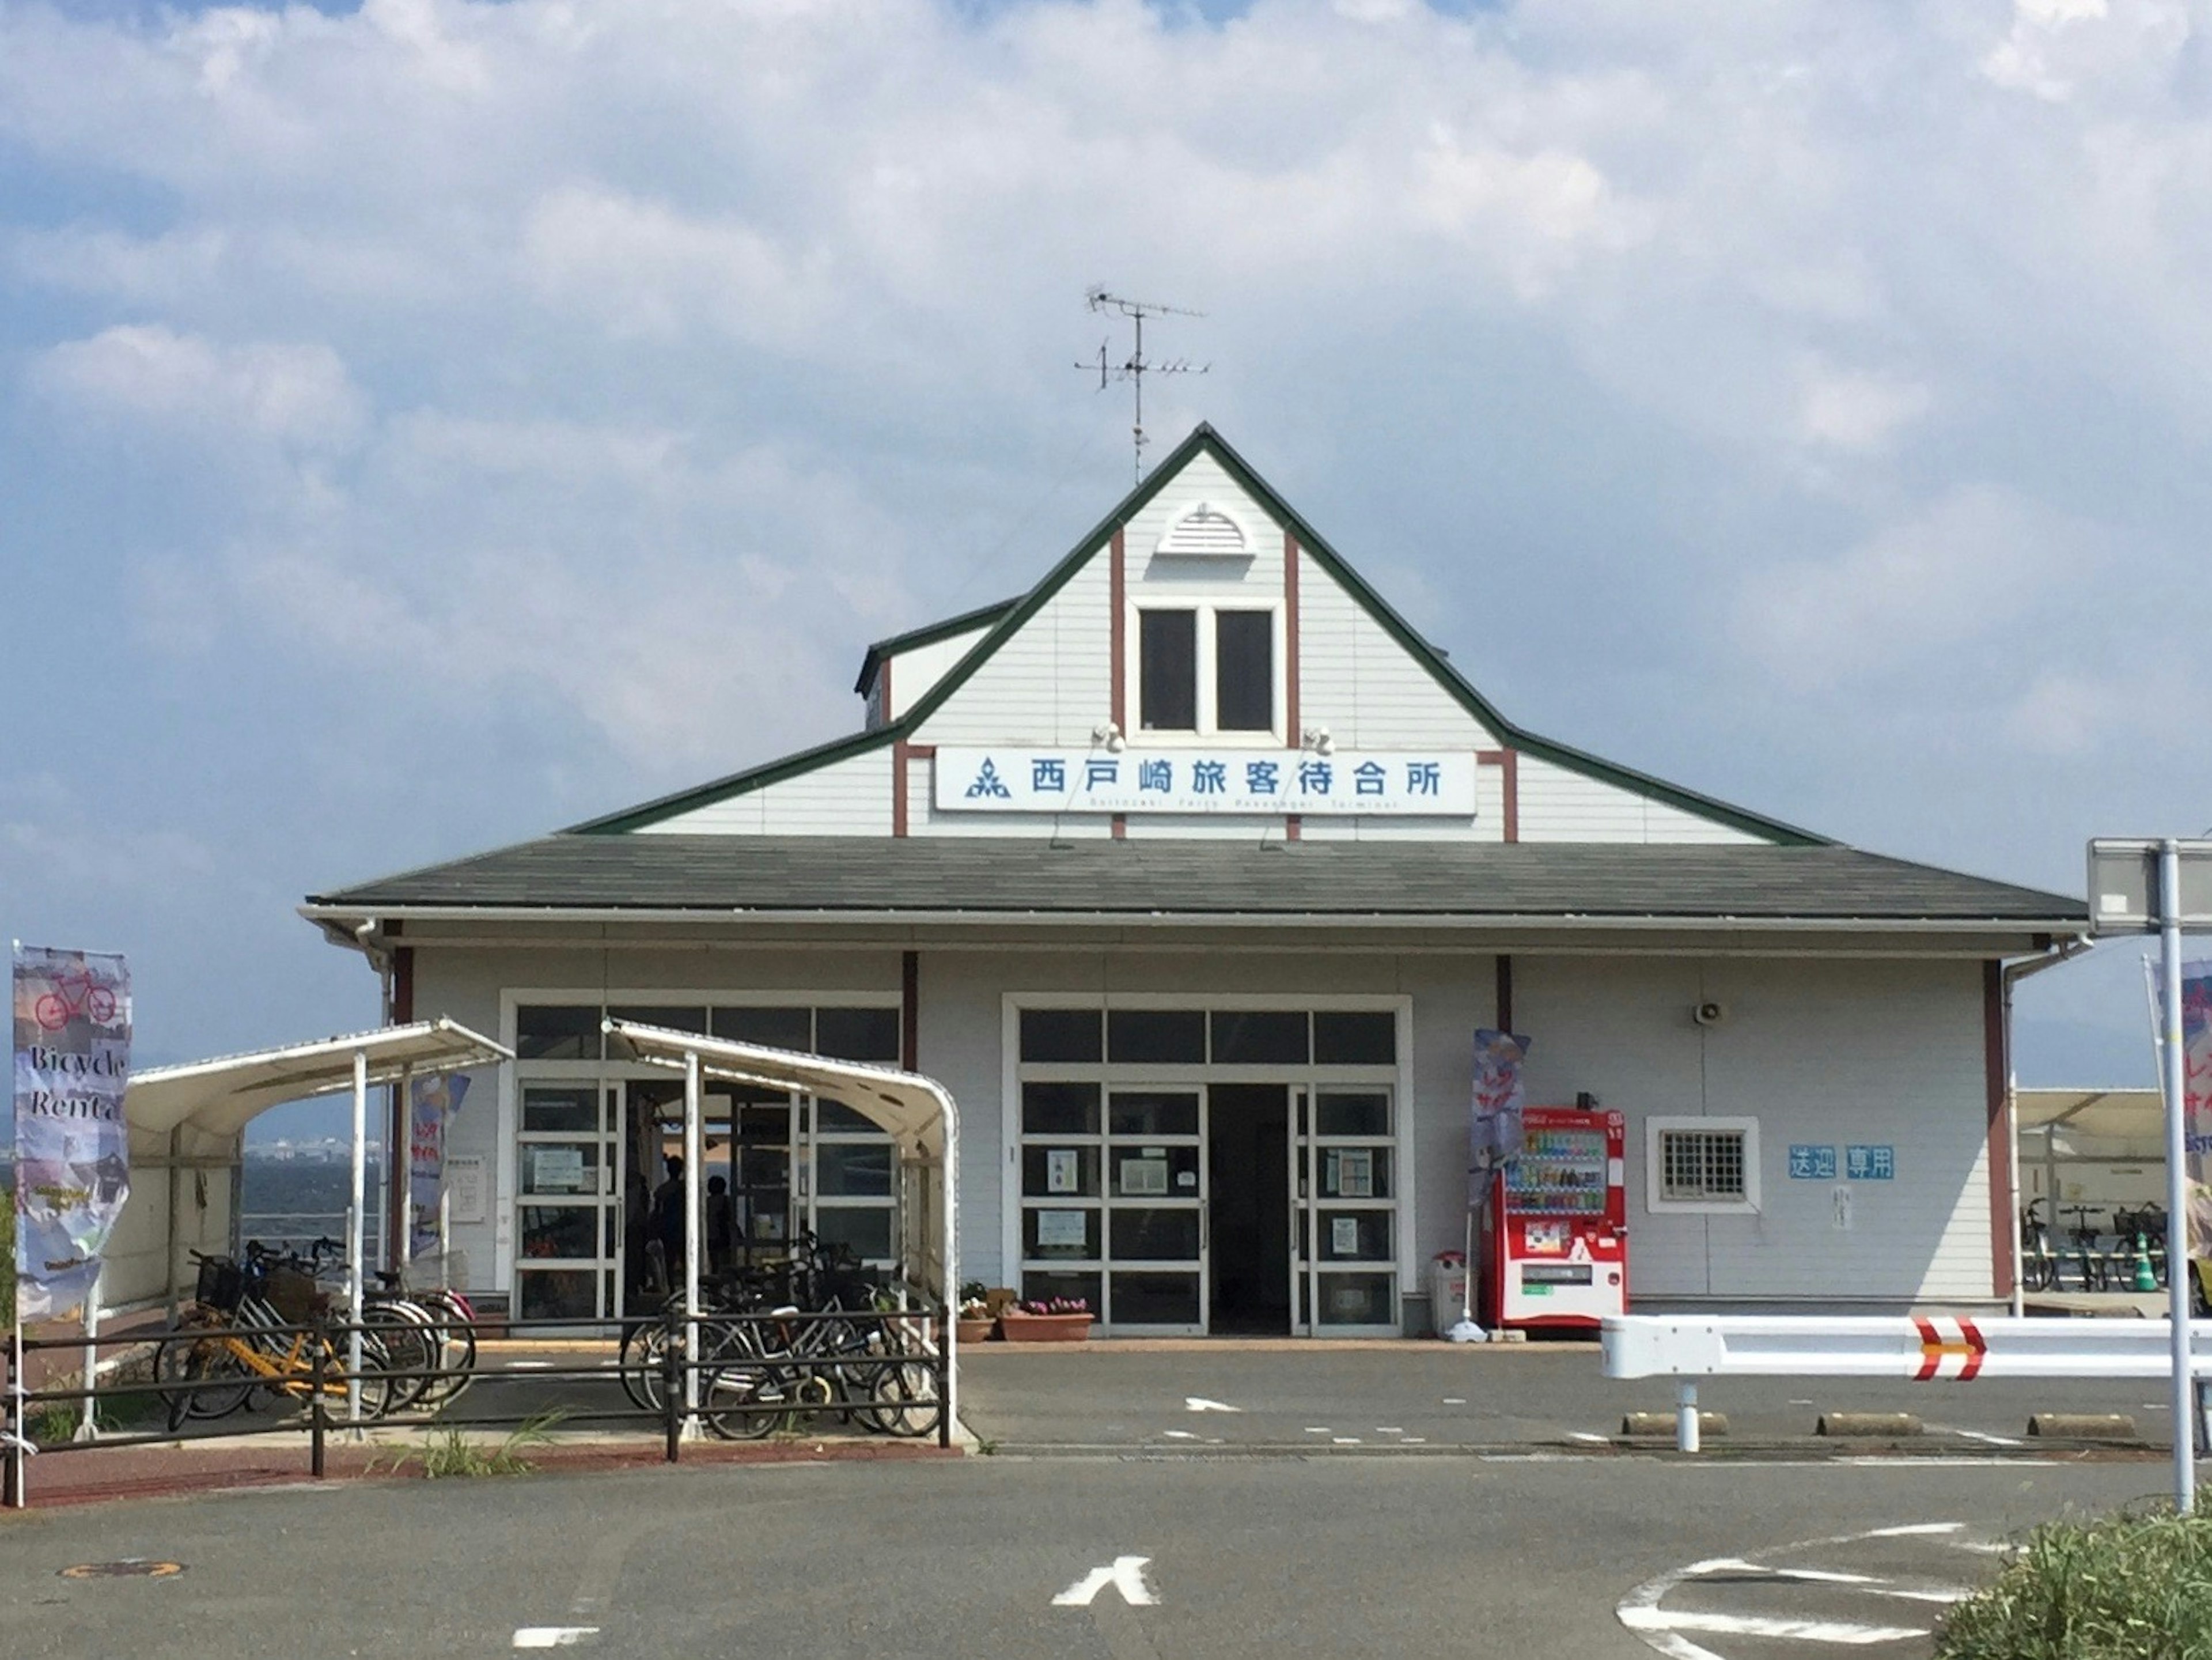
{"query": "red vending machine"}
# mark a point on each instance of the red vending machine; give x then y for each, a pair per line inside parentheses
(1559, 1247)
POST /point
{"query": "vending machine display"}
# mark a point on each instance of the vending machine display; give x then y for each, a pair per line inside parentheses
(1559, 1252)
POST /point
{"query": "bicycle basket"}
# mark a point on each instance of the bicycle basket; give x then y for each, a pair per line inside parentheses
(222, 1284)
(294, 1295)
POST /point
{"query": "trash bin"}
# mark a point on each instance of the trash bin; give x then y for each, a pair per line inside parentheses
(1447, 1289)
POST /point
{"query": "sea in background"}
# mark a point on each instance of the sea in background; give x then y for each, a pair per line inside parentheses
(291, 1201)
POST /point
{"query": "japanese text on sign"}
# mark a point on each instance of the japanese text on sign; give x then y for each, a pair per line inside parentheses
(1812, 1164)
(1870, 1164)
(1374, 781)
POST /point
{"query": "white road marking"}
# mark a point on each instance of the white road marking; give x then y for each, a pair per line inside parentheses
(1916, 1530)
(1454, 1401)
(1414, 1441)
(1982, 1547)
(527, 1365)
(1759, 1625)
(1865, 1582)
(1386, 1429)
(1345, 1440)
(1200, 1403)
(1126, 1575)
(1317, 1429)
(1586, 1435)
(1179, 1435)
(552, 1636)
(1978, 1435)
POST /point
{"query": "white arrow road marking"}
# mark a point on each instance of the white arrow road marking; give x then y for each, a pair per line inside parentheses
(1757, 1625)
(1200, 1403)
(552, 1636)
(1126, 1575)
(1865, 1582)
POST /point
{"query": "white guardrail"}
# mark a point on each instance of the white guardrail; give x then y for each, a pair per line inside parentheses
(1927, 1349)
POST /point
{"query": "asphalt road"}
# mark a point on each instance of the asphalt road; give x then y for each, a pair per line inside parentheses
(1245, 1557)
(1514, 1396)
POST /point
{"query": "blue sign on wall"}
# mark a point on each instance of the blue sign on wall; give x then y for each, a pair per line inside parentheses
(1810, 1164)
(1870, 1164)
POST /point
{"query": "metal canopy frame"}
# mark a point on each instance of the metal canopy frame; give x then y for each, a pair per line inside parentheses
(219, 1098)
(917, 1112)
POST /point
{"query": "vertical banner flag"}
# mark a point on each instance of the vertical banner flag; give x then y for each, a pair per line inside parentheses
(2197, 1101)
(435, 1099)
(1494, 1127)
(72, 1146)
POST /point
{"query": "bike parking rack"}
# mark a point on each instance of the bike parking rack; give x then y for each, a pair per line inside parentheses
(916, 1337)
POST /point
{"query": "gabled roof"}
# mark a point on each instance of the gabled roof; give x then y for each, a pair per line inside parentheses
(829, 878)
(1204, 441)
(928, 634)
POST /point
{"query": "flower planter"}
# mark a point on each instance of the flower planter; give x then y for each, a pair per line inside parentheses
(1044, 1328)
(974, 1331)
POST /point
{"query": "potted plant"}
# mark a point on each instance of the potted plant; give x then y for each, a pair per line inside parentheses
(975, 1320)
(1052, 1320)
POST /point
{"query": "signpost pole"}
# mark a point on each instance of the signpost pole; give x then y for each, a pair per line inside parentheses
(353, 1220)
(694, 1155)
(2177, 1266)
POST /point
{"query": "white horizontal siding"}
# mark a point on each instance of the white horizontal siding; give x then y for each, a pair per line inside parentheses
(1559, 804)
(1359, 682)
(1052, 683)
(913, 672)
(1829, 1053)
(852, 796)
(1258, 571)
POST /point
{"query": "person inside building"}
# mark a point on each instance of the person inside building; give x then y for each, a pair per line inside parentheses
(722, 1223)
(668, 1208)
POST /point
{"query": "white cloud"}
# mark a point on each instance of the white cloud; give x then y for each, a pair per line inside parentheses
(1957, 571)
(1857, 409)
(294, 394)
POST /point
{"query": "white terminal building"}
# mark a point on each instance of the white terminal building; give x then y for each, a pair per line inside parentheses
(1192, 872)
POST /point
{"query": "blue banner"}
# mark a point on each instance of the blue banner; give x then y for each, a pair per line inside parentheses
(1494, 1127)
(72, 1145)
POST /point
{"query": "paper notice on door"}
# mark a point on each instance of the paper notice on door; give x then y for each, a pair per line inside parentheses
(1353, 1168)
(1060, 1171)
(1144, 1176)
(467, 1202)
(1060, 1230)
(557, 1170)
(1344, 1236)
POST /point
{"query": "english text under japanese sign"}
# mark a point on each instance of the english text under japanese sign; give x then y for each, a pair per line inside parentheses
(1438, 784)
(2196, 1100)
(72, 1146)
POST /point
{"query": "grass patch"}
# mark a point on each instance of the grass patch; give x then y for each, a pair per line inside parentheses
(2135, 1586)
(451, 1454)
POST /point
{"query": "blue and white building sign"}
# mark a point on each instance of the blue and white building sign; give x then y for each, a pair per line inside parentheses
(1428, 783)
(1812, 1164)
(1870, 1164)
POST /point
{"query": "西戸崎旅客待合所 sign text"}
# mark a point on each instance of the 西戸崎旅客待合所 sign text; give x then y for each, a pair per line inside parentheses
(1199, 778)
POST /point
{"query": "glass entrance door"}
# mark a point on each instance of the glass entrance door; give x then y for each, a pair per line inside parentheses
(1248, 1237)
(568, 1240)
(1344, 1195)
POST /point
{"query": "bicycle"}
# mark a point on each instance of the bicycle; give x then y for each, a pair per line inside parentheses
(75, 994)
(214, 1367)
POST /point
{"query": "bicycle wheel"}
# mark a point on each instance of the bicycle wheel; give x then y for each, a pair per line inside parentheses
(457, 1351)
(222, 1382)
(906, 1399)
(411, 1346)
(642, 1352)
(744, 1401)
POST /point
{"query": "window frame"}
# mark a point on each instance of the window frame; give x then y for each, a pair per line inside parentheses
(1209, 729)
(1656, 1129)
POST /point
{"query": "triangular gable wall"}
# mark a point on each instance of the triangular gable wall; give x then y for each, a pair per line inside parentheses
(1043, 674)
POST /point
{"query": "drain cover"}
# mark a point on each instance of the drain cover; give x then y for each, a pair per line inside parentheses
(137, 1567)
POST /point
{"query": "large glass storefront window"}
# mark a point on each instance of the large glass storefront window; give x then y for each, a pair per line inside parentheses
(1162, 1182)
(594, 1131)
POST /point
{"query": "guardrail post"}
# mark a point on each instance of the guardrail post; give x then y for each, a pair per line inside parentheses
(1687, 1435)
(944, 1367)
(672, 1417)
(318, 1374)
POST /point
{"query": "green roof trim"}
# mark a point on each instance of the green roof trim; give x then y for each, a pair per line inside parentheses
(928, 634)
(1203, 440)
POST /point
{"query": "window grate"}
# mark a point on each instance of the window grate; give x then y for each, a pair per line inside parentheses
(1701, 1165)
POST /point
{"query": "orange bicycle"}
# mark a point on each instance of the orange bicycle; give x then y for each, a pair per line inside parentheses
(234, 1342)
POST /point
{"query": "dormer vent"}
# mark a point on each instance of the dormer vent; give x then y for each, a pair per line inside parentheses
(1206, 531)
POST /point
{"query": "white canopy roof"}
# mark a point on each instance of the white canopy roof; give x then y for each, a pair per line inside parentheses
(2106, 1115)
(915, 1111)
(222, 1095)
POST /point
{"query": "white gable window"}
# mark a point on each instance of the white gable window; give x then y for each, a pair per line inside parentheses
(1206, 531)
(1207, 669)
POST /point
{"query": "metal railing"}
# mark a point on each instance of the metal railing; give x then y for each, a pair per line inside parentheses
(766, 1370)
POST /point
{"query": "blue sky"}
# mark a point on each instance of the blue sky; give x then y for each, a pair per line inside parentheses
(428, 423)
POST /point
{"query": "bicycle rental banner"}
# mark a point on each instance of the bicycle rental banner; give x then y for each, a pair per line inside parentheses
(72, 1144)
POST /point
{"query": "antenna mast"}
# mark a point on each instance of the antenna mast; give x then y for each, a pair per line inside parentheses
(1135, 369)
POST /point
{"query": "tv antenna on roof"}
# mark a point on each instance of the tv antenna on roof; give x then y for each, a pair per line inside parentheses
(1135, 369)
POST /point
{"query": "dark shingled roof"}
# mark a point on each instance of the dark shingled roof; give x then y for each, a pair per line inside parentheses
(921, 875)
